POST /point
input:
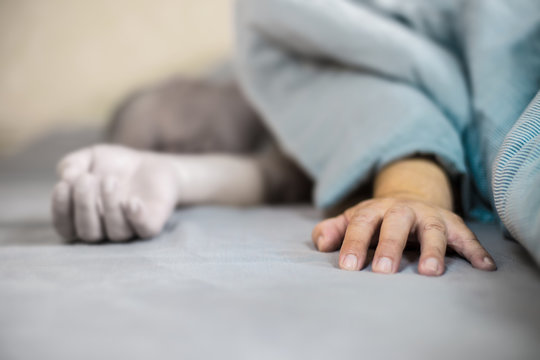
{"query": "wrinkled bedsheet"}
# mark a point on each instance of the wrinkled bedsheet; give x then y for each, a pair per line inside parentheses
(240, 283)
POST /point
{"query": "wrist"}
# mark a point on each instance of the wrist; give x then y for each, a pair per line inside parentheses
(416, 179)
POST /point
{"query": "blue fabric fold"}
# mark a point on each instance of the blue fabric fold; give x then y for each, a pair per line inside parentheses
(350, 86)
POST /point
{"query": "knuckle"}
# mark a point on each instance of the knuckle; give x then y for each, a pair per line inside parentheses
(349, 213)
(471, 244)
(353, 245)
(369, 202)
(432, 223)
(363, 218)
(400, 210)
(396, 210)
(389, 251)
(434, 252)
(390, 242)
(362, 206)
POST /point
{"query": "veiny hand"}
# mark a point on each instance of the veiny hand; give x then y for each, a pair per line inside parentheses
(433, 227)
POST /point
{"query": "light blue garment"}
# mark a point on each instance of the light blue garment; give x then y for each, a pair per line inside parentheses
(516, 179)
(349, 86)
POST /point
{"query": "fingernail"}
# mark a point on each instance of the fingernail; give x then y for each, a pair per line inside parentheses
(431, 265)
(488, 261)
(320, 239)
(350, 262)
(384, 265)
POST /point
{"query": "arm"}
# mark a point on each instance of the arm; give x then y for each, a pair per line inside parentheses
(218, 179)
(116, 193)
(411, 197)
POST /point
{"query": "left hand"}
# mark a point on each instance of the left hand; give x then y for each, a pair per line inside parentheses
(397, 218)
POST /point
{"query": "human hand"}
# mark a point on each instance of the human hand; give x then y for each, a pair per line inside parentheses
(108, 192)
(397, 220)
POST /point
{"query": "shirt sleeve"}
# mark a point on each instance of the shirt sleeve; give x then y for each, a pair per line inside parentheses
(346, 91)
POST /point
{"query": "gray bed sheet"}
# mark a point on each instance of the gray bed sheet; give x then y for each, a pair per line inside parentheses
(240, 283)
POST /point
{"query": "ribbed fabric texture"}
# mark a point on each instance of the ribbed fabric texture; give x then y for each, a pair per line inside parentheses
(516, 179)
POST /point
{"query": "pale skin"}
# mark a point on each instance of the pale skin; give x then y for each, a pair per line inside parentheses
(115, 193)
(109, 192)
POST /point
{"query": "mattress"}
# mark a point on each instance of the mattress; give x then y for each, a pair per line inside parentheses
(239, 283)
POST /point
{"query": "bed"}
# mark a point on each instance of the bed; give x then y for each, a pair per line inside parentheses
(239, 283)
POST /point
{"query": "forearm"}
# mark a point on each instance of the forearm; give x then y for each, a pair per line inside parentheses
(218, 179)
(415, 179)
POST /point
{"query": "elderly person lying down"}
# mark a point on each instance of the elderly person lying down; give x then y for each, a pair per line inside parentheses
(428, 107)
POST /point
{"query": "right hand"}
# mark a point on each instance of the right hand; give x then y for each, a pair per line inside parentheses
(113, 193)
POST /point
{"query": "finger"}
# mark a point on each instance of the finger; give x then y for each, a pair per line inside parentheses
(87, 220)
(75, 164)
(465, 243)
(62, 210)
(116, 225)
(328, 234)
(432, 236)
(137, 214)
(395, 229)
(360, 229)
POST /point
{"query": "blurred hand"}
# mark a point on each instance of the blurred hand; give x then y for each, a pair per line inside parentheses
(108, 192)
